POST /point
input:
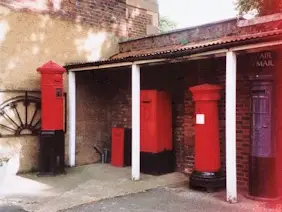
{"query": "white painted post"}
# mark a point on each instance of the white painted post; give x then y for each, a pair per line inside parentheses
(230, 125)
(72, 116)
(135, 79)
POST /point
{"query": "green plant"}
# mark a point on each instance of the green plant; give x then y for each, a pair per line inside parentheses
(263, 7)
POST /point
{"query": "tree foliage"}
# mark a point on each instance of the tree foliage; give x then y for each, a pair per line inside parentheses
(263, 7)
(166, 24)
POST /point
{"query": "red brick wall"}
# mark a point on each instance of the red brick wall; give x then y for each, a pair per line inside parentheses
(109, 15)
(195, 34)
(242, 118)
(137, 21)
(204, 32)
(176, 79)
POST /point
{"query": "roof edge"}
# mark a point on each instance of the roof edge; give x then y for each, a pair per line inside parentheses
(172, 54)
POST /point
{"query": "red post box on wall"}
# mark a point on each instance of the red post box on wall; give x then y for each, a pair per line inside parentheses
(207, 169)
(52, 119)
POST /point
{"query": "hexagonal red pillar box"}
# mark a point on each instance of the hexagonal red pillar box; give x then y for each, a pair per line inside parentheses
(207, 169)
(52, 138)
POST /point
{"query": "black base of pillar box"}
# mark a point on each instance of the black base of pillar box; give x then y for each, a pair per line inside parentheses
(157, 163)
(51, 153)
(262, 182)
(209, 181)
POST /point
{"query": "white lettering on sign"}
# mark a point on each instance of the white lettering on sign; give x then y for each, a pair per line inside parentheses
(265, 60)
(200, 119)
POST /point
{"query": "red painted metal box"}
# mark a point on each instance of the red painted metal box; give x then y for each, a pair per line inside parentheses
(117, 158)
(52, 95)
(207, 151)
(156, 121)
(207, 169)
(121, 147)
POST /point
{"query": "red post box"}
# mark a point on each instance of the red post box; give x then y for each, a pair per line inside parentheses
(52, 118)
(156, 133)
(52, 96)
(156, 121)
(207, 169)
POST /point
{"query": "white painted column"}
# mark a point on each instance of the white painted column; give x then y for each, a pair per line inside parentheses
(230, 123)
(72, 116)
(135, 79)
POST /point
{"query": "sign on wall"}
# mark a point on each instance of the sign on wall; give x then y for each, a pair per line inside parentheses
(200, 118)
(264, 60)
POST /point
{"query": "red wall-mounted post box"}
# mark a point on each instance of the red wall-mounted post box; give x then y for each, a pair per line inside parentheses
(207, 170)
(52, 119)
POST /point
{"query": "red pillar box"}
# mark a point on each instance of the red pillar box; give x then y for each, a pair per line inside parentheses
(207, 171)
(52, 119)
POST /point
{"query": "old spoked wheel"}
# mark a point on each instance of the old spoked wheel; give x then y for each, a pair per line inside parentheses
(20, 115)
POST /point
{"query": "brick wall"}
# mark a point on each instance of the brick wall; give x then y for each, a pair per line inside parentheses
(110, 95)
(176, 79)
(137, 21)
(205, 32)
(198, 33)
(110, 15)
(92, 118)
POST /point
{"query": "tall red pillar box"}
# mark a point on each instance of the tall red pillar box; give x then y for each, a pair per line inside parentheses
(52, 147)
(121, 147)
(156, 156)
(207, 169)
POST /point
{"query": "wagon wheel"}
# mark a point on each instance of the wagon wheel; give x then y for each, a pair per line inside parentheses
(20, 115)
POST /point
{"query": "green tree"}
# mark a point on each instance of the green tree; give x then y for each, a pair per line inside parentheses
(166, 24)
(263, 7)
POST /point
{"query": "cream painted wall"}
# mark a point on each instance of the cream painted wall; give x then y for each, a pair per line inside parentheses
(26, 42)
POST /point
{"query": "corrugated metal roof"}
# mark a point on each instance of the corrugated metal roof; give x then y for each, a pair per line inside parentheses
(169, 51)
(184, 29)
(195, 45)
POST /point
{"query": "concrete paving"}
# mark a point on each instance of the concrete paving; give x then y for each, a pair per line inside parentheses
(176, 200)
(11, 208)
(79, 186)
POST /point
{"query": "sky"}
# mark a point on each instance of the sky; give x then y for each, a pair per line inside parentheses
(194, 12)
